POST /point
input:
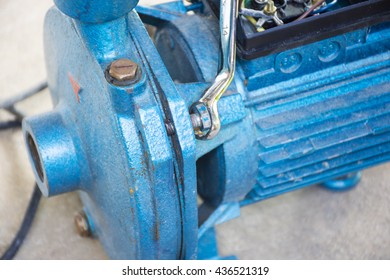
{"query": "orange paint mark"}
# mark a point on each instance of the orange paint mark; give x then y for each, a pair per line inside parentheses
(75, 86)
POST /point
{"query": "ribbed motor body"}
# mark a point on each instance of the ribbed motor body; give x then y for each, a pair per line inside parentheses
(334, 119)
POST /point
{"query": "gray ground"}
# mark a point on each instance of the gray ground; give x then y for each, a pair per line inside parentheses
(308, 224)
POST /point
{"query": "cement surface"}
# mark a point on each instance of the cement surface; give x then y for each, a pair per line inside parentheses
(312, 223)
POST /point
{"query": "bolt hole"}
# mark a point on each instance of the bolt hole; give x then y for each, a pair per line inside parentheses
(35, 157)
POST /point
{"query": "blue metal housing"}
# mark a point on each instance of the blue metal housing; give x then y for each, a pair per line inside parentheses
(289, 120)
(138, 184)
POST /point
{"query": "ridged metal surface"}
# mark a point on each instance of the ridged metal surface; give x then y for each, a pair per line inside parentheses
(328, 123)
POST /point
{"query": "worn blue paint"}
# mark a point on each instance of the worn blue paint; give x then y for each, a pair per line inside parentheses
(58, 153)
(138, 183)
(95, 11)
(289, 120)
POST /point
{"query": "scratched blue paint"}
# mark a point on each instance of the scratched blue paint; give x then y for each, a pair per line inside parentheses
(139, 184)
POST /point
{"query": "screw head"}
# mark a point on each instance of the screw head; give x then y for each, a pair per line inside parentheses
(123, 72)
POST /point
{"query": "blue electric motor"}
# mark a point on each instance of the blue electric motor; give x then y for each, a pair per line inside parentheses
(309, 102)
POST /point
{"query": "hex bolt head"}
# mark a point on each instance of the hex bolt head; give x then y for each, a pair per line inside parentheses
(82, 225)
(123, 72)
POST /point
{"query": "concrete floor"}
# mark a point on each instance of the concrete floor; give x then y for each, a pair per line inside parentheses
(308, 224)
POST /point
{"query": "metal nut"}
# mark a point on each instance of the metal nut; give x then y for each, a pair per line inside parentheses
(123, 71)
(82, 225)
(200, 118)
(270, 8)
(170, 128)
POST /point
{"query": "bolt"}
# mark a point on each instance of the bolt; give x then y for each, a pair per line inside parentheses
(170, 128)
(270, 8)
(200, 119)
(123, 72)
(196, 121)
(82, 224)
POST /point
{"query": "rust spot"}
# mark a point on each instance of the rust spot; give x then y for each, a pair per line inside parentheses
(131, 191)
(75, 86)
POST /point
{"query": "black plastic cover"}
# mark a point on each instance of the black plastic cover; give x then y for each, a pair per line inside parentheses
(252, 45)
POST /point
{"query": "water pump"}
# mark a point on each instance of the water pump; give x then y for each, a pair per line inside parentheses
(168, 119)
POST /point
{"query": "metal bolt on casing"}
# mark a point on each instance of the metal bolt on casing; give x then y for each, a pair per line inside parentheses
(270, 8)
(82, 225)
(170, 128)
(123, 72)
(200, 119)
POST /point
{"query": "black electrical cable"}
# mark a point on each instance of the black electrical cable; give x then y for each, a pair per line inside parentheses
(24, 95)
(30, 212)
(25, 226)
(8, 105)
(36, 196)
(10, 124)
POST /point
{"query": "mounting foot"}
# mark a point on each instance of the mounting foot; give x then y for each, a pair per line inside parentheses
(344, 183)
